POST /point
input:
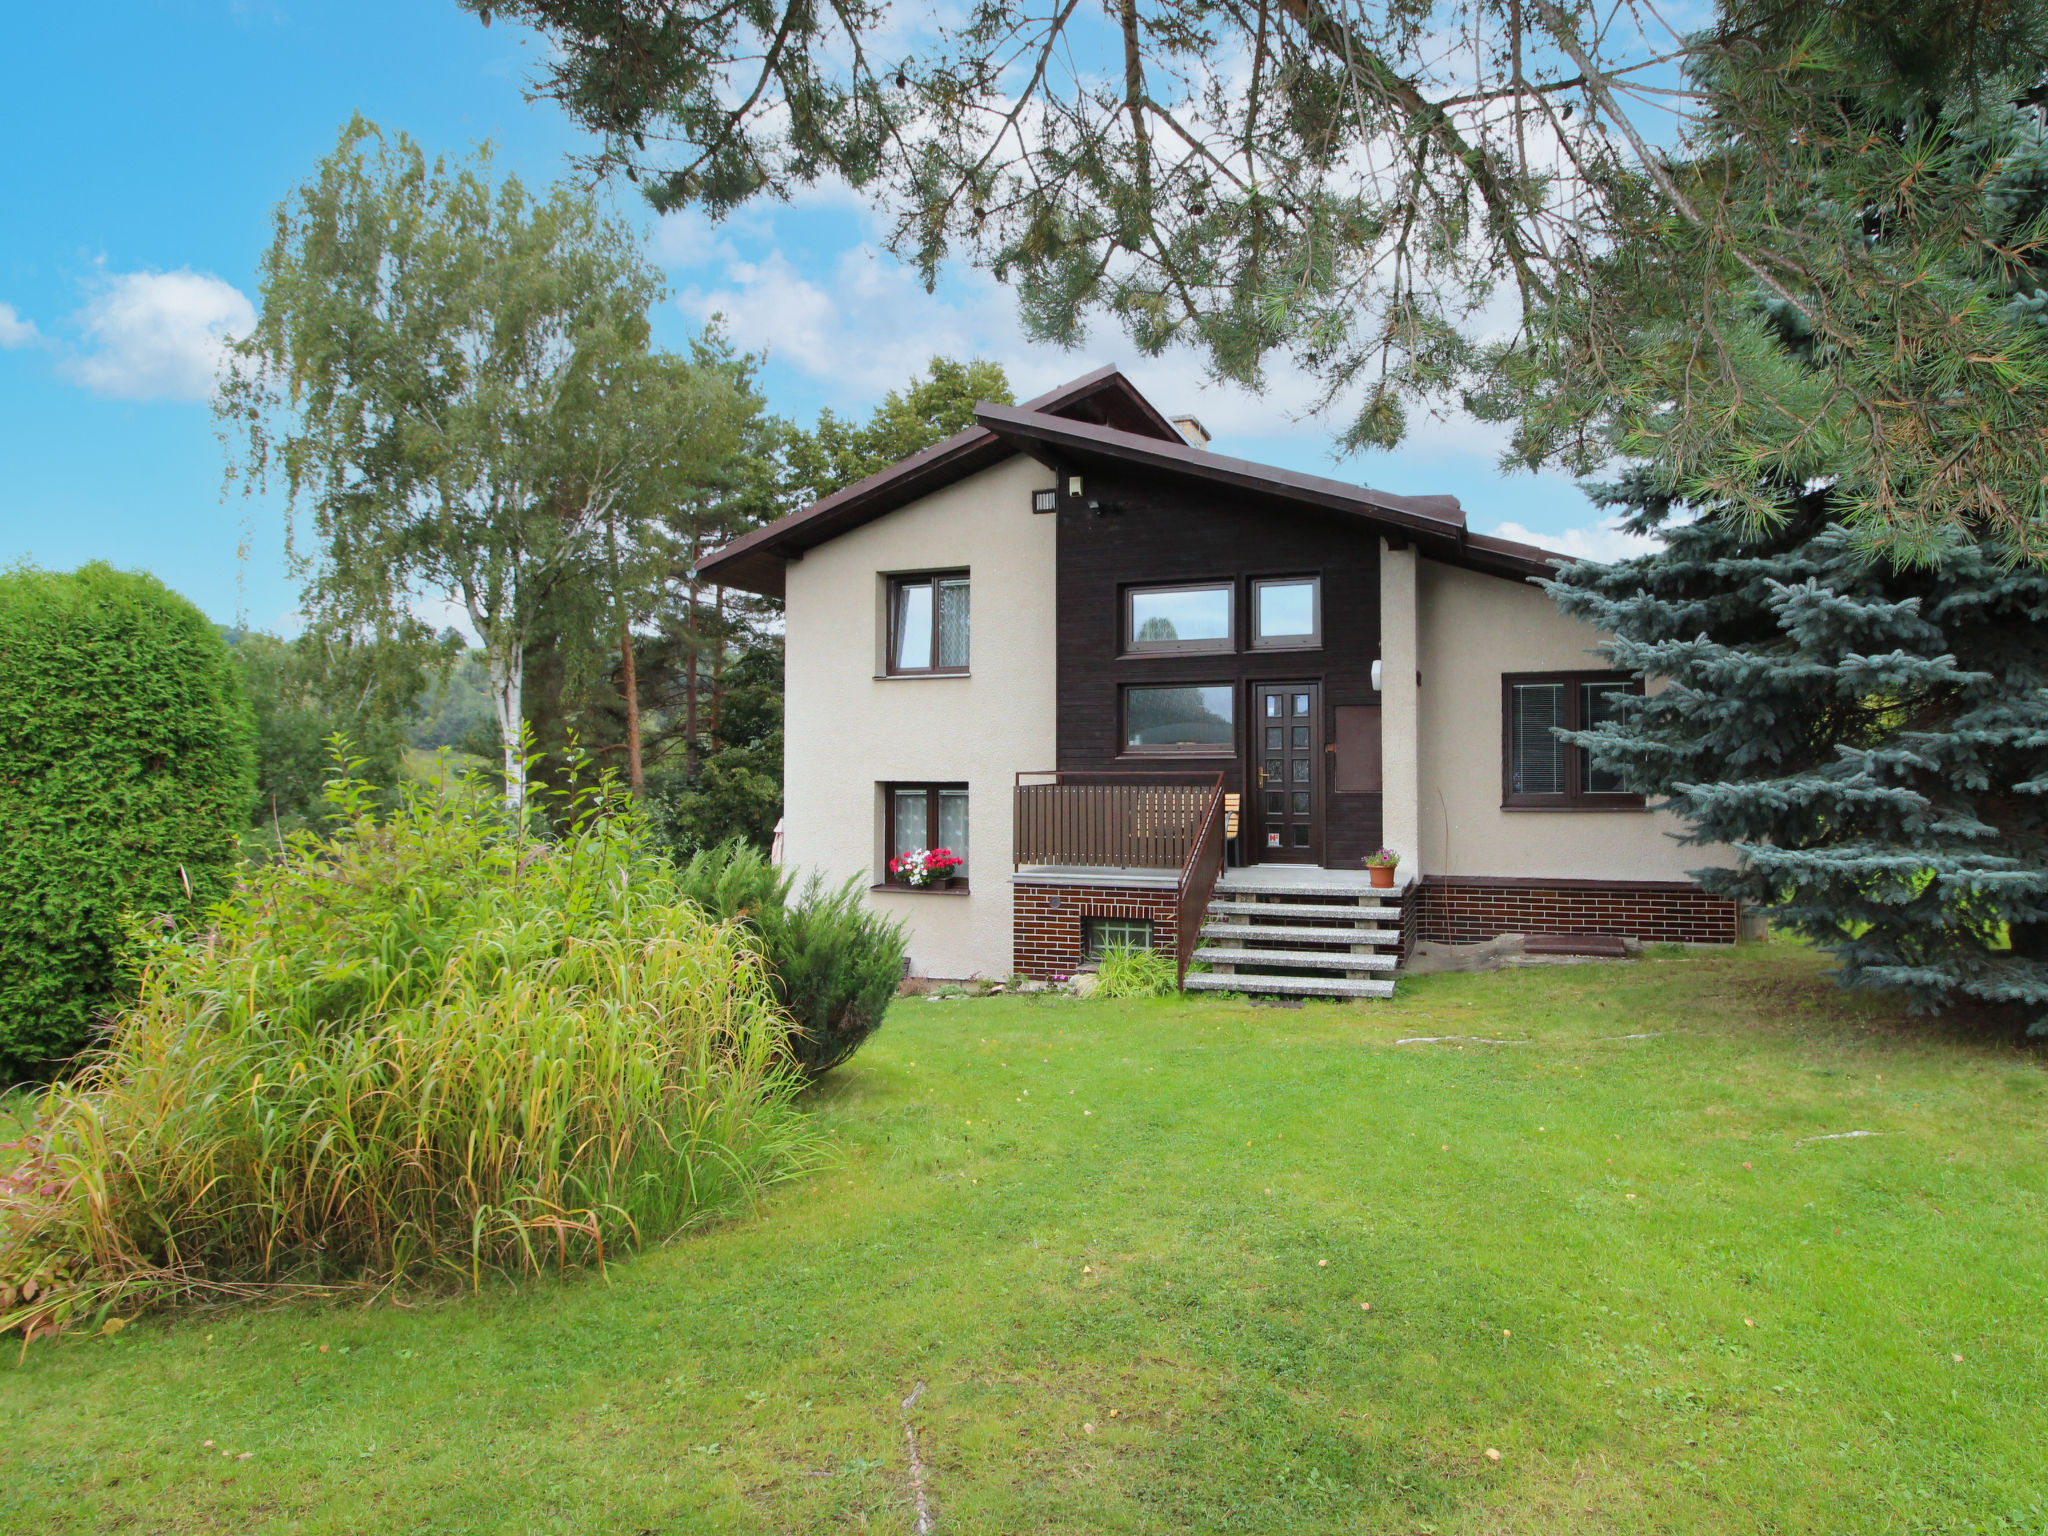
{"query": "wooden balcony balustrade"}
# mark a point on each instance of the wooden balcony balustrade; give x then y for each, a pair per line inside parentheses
(1113, 821)
(1158, 820)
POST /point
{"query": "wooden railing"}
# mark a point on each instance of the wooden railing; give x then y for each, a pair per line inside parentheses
(1160, 820)
(1198, 878)
(1111, 820)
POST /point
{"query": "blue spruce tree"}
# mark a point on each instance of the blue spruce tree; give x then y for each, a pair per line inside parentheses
(1853, 626)
(1871, 739)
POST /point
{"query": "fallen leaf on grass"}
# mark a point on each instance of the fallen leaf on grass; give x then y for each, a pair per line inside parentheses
(1492, 1454)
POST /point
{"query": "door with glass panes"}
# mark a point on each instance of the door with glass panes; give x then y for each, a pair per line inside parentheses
(1286, 773)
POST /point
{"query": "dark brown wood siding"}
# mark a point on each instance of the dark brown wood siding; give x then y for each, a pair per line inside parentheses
(1154, 531)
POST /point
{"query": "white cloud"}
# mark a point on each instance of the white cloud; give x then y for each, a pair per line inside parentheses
(15, 331)
(158, 335)
(870, 326)
(688, 238)
(1602, 541)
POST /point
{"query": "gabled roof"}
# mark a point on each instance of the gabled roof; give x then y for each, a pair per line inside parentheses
(1101, 417)
(754, 561)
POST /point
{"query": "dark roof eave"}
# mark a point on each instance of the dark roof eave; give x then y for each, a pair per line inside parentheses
(1430, 516)
(753, 562)
(1437, 522)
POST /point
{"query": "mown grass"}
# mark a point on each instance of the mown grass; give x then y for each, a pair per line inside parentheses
(1615, 1254)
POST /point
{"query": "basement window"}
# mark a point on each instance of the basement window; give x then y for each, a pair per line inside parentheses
(1106, 933)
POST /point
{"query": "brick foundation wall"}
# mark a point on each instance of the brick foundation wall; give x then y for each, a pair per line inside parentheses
(1049, 920)
(1465, 909)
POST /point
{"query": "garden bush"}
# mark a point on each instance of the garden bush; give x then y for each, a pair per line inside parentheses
(834, 963)
(126, 774)
(1126, 972)
(428, 1045)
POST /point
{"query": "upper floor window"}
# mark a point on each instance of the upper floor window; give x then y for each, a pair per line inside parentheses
(1541, 770)
(1180, 619)
(1287, 613)
(928, 623)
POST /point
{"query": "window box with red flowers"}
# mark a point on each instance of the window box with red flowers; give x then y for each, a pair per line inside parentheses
(926, 869)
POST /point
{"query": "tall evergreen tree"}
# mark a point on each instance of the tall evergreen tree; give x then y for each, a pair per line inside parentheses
(1851, 625)
(928, 410)
(1871, 739)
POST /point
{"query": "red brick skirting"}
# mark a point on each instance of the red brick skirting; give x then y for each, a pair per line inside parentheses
(1048, 921)
(1466, 909)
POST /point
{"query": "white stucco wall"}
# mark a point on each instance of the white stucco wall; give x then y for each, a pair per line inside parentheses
(1400, 705)
(849, 731)
(1471, 628)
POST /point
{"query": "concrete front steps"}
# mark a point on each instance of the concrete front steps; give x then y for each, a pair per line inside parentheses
(1308, 932)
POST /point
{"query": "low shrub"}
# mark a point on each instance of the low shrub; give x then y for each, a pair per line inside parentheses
(1126, 972)
(427, 1045)
(834, 963)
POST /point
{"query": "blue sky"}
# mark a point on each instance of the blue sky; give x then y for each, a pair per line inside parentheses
(149, 141)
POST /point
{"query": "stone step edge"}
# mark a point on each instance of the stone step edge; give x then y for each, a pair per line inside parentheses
(1307, 888)
(1295, 986)
(1297, 959)
(1303, 935)
(1374, 913)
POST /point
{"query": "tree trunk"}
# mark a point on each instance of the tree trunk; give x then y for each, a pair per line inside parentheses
(508, 699)
(629, 685)
(715, 728)
(691, 643)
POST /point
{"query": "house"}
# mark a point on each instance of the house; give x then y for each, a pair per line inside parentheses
(1154, 694)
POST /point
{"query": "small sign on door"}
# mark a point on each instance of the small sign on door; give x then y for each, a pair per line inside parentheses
(1272, 839)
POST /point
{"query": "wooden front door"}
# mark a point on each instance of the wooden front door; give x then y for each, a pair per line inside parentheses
(1286, 773)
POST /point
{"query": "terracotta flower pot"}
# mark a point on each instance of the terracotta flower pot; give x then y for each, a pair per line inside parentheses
(1382, 875)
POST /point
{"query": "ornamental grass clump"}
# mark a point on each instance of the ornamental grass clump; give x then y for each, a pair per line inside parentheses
(1125, 971)
(431, 1046)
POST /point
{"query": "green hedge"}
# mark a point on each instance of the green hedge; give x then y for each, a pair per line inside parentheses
(126, 772)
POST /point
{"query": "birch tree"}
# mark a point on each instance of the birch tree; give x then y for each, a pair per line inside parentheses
(434, 346)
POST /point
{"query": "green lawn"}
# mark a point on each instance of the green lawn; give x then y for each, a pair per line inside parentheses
(1621, 1253)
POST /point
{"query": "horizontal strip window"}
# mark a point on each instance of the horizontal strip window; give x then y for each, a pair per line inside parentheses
(1542, 772)
(928, 624)
(1191, 719)
(1180, 620)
